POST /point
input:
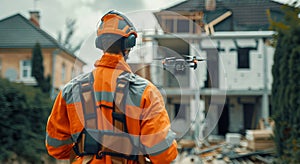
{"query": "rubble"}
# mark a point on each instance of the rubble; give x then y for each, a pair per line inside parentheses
(255, 147)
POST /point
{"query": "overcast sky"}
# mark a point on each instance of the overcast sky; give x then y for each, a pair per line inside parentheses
(87, 12)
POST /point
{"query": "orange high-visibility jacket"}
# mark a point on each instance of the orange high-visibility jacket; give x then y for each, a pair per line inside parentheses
(146, 116)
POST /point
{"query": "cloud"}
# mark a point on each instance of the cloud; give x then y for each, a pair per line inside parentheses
(160, 4)
(88, 1)
(88, 12)
(120, 5)
(9, 7)
(86, 20)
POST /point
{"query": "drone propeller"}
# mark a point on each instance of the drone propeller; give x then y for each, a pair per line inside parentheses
(193, 58)
(158, 58)
(198, 58)
(165, 58)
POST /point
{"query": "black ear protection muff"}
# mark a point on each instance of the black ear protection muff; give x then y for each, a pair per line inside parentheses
(106, 40)
(98, 43)
(129, 42)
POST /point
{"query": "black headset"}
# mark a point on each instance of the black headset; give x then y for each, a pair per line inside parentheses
(127, 42)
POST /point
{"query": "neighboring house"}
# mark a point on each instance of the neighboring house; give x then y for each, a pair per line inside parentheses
(232, 87)
(18, 37)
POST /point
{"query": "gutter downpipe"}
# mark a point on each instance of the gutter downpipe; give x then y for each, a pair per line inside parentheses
(54, 53)
(265, 97)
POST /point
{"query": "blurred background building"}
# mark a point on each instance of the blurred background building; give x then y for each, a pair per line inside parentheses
(234, 81)
(19, 36)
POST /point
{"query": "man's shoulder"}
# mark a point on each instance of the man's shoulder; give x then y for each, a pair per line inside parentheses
(142, 84)
(72, 84)
(133, 79)
(141, 80)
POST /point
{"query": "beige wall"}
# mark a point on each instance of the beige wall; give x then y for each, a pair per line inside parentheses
(70, 64)
(47, 55)
(10, 59)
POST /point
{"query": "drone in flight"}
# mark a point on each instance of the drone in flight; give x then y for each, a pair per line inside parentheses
(180, 64)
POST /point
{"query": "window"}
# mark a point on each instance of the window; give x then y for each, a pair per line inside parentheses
(243, 58)
(63, 72)
(25, 72)
(183, 26)
(169, 25)
(180, 110)
(177, 25)
(212, 75)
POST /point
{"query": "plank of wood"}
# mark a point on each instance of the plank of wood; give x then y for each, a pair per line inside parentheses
(237, 156)
(209, 149)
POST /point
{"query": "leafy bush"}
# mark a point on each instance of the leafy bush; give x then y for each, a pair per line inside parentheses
(23, 116)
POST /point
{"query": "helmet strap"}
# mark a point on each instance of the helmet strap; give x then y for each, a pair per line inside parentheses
(125, 55)
(124, 50)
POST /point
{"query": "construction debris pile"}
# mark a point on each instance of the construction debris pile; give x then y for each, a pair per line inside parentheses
(259, 139)
(256, 146)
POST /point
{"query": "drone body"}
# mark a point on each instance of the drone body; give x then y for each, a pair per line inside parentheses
(180, 64)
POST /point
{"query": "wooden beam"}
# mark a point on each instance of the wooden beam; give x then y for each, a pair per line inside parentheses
(220, 18)
(206, 29)
(216, 21)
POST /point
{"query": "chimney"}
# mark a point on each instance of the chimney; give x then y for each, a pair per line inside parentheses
(210, 5)
(35, 17)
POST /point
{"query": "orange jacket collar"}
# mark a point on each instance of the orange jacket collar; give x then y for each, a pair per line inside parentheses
(114, 61)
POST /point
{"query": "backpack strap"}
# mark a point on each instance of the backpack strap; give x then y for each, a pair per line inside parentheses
(119, 120)
(119, 105)
(88, 102)
(86, 144)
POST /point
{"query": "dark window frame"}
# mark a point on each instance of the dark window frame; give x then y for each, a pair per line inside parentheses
(183, 26)
(243, 58)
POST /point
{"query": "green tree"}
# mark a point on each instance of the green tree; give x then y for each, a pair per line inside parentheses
(38, 69)
(67, 40)
(275, 93)
(286, 86)
(24, 111)
(294, 102)
(37, 63)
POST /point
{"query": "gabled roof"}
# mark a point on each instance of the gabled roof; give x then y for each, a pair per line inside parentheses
(246, 14)
(18, 32)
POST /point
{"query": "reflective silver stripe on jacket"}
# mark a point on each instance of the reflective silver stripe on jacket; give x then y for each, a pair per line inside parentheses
(56, 142)
(162, 146)
(96, 134)
(137, 87)
(71, 90)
